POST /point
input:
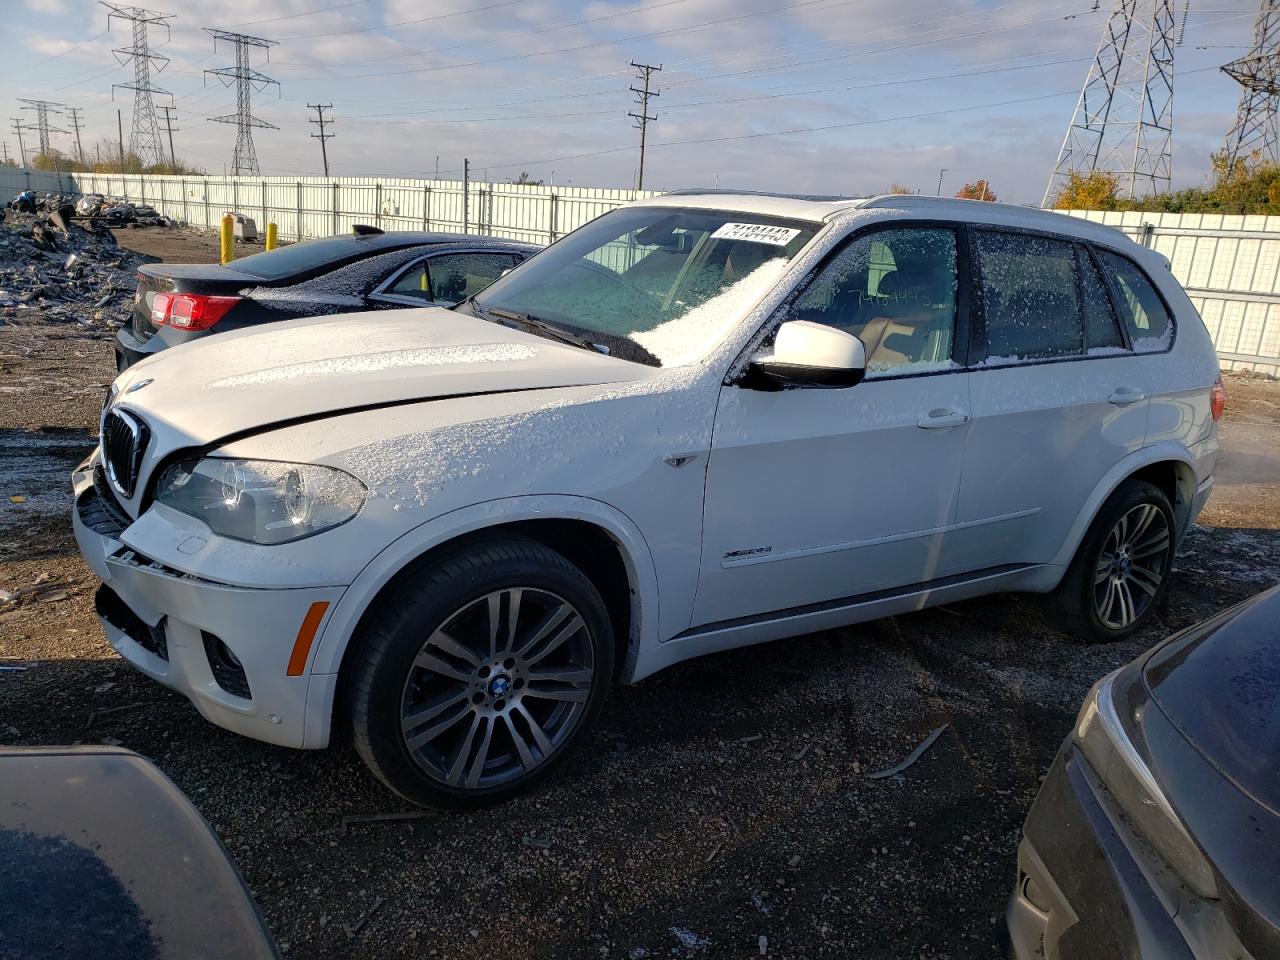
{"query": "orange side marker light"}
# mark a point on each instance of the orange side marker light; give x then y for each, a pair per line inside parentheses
(306, 635)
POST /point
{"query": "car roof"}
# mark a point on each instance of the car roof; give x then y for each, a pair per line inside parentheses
(393, 239)
(831, 208)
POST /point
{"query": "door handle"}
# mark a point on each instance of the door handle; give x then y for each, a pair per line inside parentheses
(942, 419)
(1123, 396)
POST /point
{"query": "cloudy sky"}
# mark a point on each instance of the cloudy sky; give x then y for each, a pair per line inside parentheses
(837, 96)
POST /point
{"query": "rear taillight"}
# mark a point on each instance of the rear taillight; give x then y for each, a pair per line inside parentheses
(1217, 398)
(189, 311)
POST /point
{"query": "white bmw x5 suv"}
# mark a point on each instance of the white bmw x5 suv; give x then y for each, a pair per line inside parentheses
(698, 422)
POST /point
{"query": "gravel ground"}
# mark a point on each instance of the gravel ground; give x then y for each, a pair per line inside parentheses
(722, 809)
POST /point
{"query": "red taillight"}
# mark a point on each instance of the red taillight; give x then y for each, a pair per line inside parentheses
(189, 311)
(1217, 398)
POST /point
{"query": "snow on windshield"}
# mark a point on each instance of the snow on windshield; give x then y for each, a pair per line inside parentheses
(685, 339)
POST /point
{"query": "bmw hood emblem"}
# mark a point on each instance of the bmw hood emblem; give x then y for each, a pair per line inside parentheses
(134, 388)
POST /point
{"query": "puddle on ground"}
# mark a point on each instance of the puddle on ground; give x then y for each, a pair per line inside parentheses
(36, 466)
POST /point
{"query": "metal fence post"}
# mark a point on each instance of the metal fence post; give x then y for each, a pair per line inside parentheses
(335, 208)
(235, 195)
(377, 204)
(265, 218)
(297, 202)
(205, 181)
(551, 229)
(185, 216)
(426, 207)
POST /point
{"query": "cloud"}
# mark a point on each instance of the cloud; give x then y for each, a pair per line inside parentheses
(45, 6)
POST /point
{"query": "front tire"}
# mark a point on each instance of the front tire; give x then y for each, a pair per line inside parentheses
(474, 677)
(1121, 569)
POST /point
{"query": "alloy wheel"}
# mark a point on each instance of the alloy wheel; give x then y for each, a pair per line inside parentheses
(497, 688)
(1132, 565)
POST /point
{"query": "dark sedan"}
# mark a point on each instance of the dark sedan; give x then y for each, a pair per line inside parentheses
(1156, 833)
(179, 302)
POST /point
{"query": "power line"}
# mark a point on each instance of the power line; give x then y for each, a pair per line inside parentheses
(144, 135)
(488, 61)
(305, 13)
(320, 108)
(72, 49)
(245, 158)
(643, 93)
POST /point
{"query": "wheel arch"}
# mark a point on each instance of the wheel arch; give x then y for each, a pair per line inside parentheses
(1169, 466)
(603, 542)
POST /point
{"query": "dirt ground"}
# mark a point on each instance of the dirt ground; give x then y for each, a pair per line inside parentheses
(721, 809)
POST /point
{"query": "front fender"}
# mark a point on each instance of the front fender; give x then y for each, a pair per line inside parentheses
(345, 617)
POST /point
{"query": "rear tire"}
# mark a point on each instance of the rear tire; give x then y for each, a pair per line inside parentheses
(475, 676)
(1121, 569)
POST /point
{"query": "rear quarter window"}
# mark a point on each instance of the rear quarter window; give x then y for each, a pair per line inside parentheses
(1141, 308)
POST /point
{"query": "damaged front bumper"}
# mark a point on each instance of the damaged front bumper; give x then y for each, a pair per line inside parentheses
(234, 652)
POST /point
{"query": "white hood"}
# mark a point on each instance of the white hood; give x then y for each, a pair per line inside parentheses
(226, 384)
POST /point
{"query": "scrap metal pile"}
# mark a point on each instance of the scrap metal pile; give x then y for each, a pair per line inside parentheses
(53, 269)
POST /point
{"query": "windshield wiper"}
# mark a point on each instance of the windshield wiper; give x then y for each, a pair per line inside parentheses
(542, 326)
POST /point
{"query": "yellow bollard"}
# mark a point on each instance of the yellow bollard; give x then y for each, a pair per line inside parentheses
(271, 236)
(228, 241)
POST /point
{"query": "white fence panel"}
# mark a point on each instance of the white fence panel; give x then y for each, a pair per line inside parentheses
(1230, 267)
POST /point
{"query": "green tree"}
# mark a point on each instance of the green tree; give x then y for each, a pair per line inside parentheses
(1087, 191)
(977, 191)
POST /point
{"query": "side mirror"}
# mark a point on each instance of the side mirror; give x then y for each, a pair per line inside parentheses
(808, 354)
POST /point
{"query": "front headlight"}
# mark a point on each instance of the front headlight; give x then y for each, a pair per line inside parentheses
(261, 501)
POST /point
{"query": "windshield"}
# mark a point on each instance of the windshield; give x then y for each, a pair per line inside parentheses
(656, 284)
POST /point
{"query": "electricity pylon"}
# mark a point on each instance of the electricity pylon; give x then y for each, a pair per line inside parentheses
(144, 135)
(43, 108)
(1258, 73)
(1123, 121)
(245, 159)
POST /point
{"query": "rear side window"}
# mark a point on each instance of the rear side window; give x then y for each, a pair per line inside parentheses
(1030, 299)
(1143, 311)
(1102, 332)
(451, 277)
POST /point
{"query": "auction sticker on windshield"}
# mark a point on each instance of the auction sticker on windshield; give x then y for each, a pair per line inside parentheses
(756, 233)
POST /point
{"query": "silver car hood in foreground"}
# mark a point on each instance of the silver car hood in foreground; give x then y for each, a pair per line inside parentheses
(228, 384)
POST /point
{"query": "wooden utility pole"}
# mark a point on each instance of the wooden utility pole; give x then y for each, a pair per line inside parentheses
(320, 121)
(22, 147)
(168, 123)
(74, 113)
(642, 118)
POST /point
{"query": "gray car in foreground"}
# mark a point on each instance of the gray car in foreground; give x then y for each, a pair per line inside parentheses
(1156, 833)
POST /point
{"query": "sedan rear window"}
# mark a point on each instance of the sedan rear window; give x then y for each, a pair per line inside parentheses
(298, 258)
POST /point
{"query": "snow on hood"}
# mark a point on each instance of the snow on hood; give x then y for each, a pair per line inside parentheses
(225, 384)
